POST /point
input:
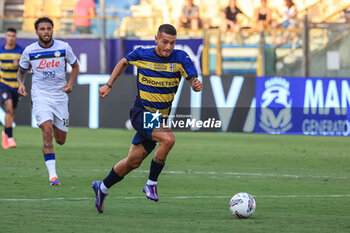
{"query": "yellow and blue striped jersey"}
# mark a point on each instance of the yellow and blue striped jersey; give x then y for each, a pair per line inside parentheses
(158, 77)
(8, 71)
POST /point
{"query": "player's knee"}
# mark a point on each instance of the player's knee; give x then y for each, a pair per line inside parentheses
(133, 163)
(60, 141)
(9, 111)
(168, 140)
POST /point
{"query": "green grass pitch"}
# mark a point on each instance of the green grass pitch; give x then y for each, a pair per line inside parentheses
(300, 184)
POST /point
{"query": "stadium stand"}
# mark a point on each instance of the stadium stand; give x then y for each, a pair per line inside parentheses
(140, 19)
(54, 9)
(14, 10)
(32, 10)
(240, 56)
(326, 10)
(159, 11)
(67, 8)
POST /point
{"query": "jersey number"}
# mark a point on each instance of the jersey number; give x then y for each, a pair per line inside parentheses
(65, 122)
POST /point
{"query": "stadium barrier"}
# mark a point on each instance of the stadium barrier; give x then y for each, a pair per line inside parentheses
(306, 106)
(88, 51)
(231, 99)
(273, 105)
(225, 98)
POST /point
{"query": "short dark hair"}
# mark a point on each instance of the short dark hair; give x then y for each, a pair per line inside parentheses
(42, 20)
(11, 30)
(167, 28)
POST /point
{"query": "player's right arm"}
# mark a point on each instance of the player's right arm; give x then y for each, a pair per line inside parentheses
(118, 70)
(20, 78)
(24, 65)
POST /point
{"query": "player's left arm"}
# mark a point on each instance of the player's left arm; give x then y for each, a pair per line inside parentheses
(189, 72)
(20, 78)
(72, 79)
(71, 59)
(196, 84)
(24, 66)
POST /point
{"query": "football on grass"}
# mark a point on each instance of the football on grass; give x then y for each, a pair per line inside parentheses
(242, 205)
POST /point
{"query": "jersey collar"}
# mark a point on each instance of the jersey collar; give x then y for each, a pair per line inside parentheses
(53, 41)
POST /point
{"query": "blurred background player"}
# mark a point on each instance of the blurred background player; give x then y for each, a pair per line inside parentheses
(10, 54)
(48, 58)
(159, 73)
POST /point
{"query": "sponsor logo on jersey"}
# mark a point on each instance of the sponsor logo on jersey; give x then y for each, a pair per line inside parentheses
(57, 53)
(4, 95)
(49, 74)
(44, 63)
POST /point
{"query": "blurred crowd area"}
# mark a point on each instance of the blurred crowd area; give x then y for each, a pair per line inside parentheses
(140, 18)
(233, 29)
(263, 37)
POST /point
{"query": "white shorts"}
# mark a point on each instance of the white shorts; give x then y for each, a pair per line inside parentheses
(56, 111)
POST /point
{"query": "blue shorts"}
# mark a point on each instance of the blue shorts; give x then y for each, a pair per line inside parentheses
(7, 93)
(143, 136)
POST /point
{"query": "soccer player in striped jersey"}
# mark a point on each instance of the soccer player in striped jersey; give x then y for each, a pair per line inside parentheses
(48, 59)
(10, 54)
(159, 72)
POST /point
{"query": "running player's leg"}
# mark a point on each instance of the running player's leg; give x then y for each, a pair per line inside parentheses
(166, 140)
(60, 135)
(137, 154)
(60, 122)
(47, 132)
(54, 129)
(10, 108)
(9, 116)
(6, 97)
(48, 151)
(7, 133)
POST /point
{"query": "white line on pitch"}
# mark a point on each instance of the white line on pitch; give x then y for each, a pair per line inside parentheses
(231, 174)
(219, 173)
(245, 174)
(178, 197)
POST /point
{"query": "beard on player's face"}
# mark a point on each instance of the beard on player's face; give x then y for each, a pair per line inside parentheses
(45, 40)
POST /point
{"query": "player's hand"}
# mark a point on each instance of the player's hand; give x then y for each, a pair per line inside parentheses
(196, 85)
(67, 88)
(22, 90)
(104, 91)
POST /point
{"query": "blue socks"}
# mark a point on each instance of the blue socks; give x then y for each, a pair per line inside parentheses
(49, 157)
(155, 170)
(8, 132)
(112, 178)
